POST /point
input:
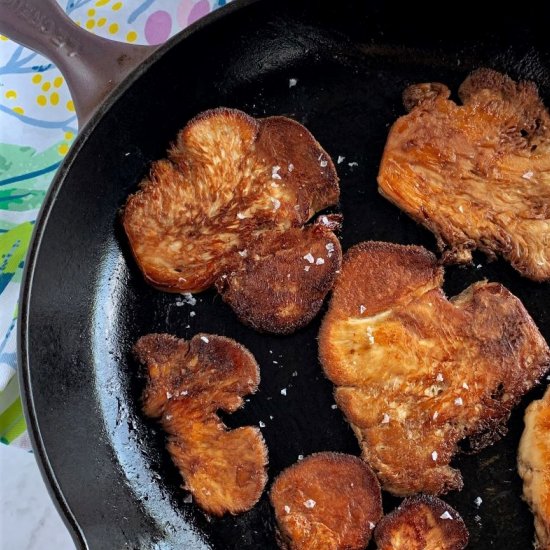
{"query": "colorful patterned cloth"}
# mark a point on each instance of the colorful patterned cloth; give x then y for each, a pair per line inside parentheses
(37, 127)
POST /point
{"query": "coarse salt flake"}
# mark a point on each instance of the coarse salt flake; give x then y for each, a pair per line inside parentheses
(434, 456)
(275, 173)
(283, 391)
(370, 336)
(287, 509)
(243, 253)
(188, 298)
(292, 82)
(362, 308)
(205, 339)
(319, 261)
(192, 314)
(465, 385)
(528, 175)
(307, 268)
(300, 457)
(168, 395)
(241, 216)
(290, 167)
(386, 419)
(371, 525)
(340, 159)
(352, 164)
(446, 515)
(436, 414)
(459, 402)
(323, 163)
(309, 257)
(276, 203)
(334, 406)
(439, 377)
(310, 503)
(261, 424)
(478, 501)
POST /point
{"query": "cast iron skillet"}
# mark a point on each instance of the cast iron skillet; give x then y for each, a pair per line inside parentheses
(84, 302)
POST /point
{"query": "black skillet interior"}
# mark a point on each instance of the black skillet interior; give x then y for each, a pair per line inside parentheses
(87, 303)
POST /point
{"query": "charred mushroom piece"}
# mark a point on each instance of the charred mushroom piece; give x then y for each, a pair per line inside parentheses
(422, 523)
(229, 180)
(328, 501)
(188, 382)
(416, 372)
(477, 174)
(283, 278)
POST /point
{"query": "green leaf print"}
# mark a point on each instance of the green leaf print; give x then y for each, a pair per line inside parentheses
(13, 248)
(25, 176)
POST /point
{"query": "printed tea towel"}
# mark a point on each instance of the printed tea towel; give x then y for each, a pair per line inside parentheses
(37, 127)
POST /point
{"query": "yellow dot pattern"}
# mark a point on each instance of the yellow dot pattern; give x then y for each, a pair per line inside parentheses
(63, 148)
(102, 2)
(91, 12)
(131, 36)
(69, 135)
(58, 81)
(101, 21)
(11, 94)
(90, 24)
(41, 100)
(19, 110)
(3, 38)
(113, 28)
(70, 106)
(37, 78)
(46, 86)
(116, 6)
(54, 98)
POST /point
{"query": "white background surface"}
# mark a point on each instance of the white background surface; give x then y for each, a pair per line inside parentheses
(28, 518)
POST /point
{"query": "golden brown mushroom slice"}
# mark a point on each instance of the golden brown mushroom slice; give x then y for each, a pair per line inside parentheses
(327, 501)
(188, 382)
(422, 523)
(534, 466)
(228, 179)
(477, 174)
(416, 372)
(283, 278)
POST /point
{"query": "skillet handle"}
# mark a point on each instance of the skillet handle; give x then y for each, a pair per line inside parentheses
(92, 66)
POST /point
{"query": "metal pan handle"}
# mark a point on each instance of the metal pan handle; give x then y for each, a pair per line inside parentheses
(92, 66)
